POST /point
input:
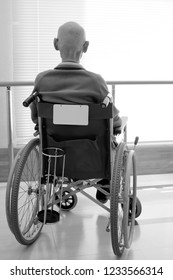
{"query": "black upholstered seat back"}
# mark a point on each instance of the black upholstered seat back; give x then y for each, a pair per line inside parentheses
(87, 148)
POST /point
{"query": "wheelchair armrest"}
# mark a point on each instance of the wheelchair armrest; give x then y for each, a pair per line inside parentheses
(124, 122)
(120, 129)
(36, 128)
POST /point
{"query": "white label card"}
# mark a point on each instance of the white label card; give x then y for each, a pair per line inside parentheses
(70, 114)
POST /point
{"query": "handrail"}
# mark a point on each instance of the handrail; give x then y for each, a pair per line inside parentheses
(15, 84)
(31, 83)
(9, 84)
(139, 82)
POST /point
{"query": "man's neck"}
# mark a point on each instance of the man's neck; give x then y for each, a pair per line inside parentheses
(75, 64)
(70, 60)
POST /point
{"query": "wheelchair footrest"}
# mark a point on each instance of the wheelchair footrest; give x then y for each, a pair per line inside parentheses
(51, 217)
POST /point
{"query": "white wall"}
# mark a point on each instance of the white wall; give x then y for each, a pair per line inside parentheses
(5, 65)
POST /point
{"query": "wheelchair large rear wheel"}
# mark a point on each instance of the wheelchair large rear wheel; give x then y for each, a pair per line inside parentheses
(27, 195)
(129, 193)
(116, 202)
(9, 188)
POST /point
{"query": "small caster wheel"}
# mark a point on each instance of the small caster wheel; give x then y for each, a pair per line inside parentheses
(138, 207)
(67, 203)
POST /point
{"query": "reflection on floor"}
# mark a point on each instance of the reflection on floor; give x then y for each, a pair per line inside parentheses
(81, 234)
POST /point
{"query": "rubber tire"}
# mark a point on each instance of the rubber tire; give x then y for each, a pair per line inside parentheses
(129, 223)
(117, 238)
(9, 188)
(20, 236)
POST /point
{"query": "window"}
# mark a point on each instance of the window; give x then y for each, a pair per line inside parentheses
(129, 40)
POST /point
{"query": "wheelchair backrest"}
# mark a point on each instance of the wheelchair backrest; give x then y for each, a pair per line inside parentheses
(82, 131)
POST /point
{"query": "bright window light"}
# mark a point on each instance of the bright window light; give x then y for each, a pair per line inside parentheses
(130, 40)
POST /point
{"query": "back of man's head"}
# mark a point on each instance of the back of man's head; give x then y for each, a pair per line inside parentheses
(71, 41)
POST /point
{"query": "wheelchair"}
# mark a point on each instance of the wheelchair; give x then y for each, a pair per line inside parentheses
(74, 149)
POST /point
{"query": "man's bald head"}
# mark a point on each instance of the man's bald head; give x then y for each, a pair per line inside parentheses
(71, 41)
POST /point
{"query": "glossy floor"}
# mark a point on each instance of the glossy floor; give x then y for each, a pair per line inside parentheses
(81, 234)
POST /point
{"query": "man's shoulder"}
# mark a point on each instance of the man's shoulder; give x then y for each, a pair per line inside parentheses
(43, 74)
(95, 76)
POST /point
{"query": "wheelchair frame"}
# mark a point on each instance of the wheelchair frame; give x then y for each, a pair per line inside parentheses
(30, 200)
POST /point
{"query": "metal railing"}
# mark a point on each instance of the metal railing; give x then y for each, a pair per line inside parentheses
(9, 84)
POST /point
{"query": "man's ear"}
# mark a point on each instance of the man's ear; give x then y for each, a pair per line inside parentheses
(55, 43)
(85, 46)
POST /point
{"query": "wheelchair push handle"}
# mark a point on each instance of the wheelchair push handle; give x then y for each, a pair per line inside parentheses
(29, 99)
(136, 140)
(106, 101)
